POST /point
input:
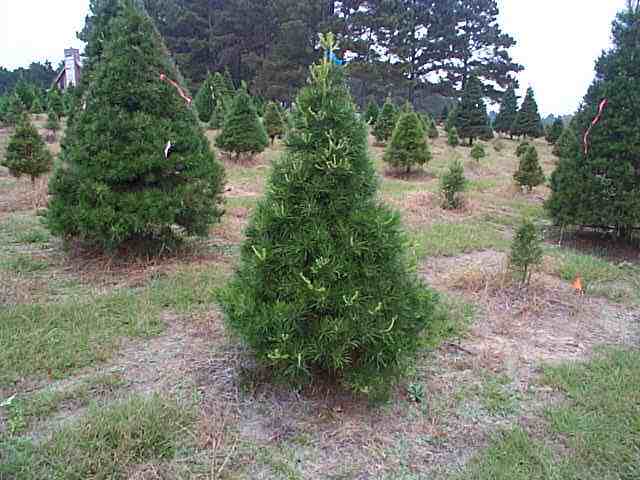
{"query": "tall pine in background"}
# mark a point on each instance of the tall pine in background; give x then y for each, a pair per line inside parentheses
(323, 286)
(601, 187)
(528, 122)
(135, 166)
(471, 120)
(508, 112)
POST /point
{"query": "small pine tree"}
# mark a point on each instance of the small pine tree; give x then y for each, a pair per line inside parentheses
(408, 144)
(452, 118)
(522, 148)
(508, 112)
(243, 132)
(383, 129)
(15, 110)
(478, 152)
(323, 286)
(567, 143)
(53, 125)
(528, 122)
(529, 173)
(135, 164)
(273, 121)
(54, 102)
(452, 184)
(224, 96)
(36, 106)
(555, 131)
(371, 115)
(26, 152)
(70, 100)
(452, 137)
(472, 121)
(205, 101)
(432, 131)
(526, 250)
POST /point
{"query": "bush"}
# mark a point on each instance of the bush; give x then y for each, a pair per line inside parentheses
(452, 184)
(529, 173)
(117, 181)
(452, 137)
(408, 145)
(526, 250)
(27, 153)
(478, 152)
(243, 131)
(324, 286)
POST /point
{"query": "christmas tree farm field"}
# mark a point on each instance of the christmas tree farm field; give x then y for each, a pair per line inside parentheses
(122, 362)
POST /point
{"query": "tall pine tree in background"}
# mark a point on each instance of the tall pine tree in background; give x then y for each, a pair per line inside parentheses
(135, 166)
(601, 187)
(528, 122)
(323, 285)
(508, 112)
(471, 121)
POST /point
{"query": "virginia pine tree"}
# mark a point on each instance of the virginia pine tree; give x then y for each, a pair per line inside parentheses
(432, 129)
(383, 129)
(54, 102)
(26, 152)
(508, 112)
(224, 94)
(371, 115)
(136, 165)
(323, 286)
(273, 121)
(408, 144)
(205, 101)
(452, 137)
(568, 142)
(472, 121)
(555, 131)
(452, 184)
(601, 186)
(478, 152)
(526, 250)
(53, 125)
(528, 122)
(529, 173)
(452, 118)
(243, 132)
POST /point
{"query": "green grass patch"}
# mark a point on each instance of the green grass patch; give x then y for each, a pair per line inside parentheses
(104, 444)
(23, 229)
(598, 424)
(450, 239)
(451, 320)
(58, 338)
(483, 184)
(23, 264)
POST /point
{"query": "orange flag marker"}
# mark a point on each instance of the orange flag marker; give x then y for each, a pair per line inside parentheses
(577, 285)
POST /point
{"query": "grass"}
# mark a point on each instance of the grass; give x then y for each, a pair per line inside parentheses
(23, 264)
(593, 435)
(106, 443)
(450, 239)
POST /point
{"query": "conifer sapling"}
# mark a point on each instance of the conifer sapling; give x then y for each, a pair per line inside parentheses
(478, 152)
(408, 144)
(526, 250)
(452, 137)
(529, 173)
(452, 184)
(383, 129)
(26, 152)
(273, 121)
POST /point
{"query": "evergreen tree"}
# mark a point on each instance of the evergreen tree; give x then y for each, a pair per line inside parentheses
(529, 173)
(528, 122)
(508, 112)
(15, 109)
(224, 94)
(53, 125)
(205, 101)
(136, 164)
(54, 102)
(452, 118)
(600, 186)
(408, 144)
(383, 129)
(471, 120)
(526, 250)
(25, 93)
(478, 152)
(555, 131)
(452, 137)
(26, 152)
(371, 115)
(273, 121)
(523, 146)
(323, 285)
(567, 143)
(36, 106)
(243, 131)
(452, 184)
(444, 115)
(432, 131)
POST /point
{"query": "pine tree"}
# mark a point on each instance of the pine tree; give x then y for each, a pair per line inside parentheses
(408, 144)
(452, 137)
(526, 250)
(383, 129)
(243, 132)
(567, 143)
(452, 119)
(472, 121)
(53, 125)
(26, 152)
(508, 112)
(523, 146)
(478, 152)
(432, 131)
(371, 115)
(273, 121)
(600, 185)
(205, 101)
(224, 94)
(452, 184)
(529, 173)
(54, 102)
(555, 131)
(528, 122)
(444, 115)
(323, 285)
(36, 106)
(15, 109)
(136, 165)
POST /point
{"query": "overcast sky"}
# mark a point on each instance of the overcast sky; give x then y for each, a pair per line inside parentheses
(558, 40)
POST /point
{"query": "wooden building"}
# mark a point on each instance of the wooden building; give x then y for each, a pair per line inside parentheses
(70, 75)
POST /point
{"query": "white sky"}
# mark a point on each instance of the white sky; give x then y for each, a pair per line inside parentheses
(558, 40)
